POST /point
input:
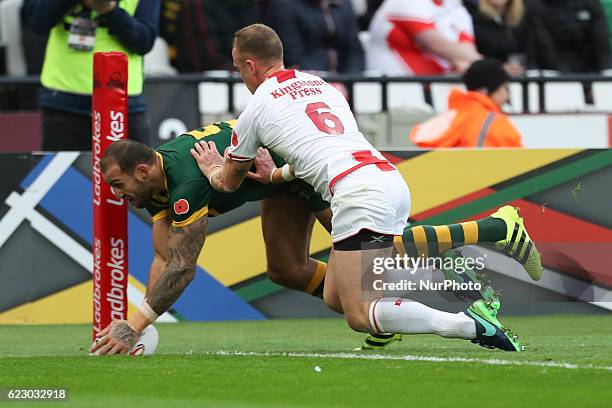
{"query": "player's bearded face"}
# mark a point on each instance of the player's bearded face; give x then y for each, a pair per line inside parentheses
(141, 195)
(137, 188)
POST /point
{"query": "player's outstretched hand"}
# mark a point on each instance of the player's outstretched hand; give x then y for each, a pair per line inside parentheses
(264, 166)
(207, 156)
(117, 338)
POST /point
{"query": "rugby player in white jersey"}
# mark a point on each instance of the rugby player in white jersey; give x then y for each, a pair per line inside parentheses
(310, 125)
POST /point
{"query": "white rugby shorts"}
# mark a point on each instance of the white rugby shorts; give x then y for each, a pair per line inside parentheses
(370, 198)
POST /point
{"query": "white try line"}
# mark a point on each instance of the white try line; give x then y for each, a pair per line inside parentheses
(431, 359)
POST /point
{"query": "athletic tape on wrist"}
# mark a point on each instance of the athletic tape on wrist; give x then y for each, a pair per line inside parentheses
(272, 176)
(148, 312)
(133, 329)
(213, 169)
(286, 173)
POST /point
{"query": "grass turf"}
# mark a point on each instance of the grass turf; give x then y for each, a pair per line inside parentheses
(188, 371)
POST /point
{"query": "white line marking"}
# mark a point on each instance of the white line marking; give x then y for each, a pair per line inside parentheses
(34, 193)
(431, 359)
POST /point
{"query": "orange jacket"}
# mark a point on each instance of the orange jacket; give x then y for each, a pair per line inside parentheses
(473, 120)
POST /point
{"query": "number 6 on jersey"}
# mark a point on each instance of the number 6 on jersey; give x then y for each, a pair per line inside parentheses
(326, 122)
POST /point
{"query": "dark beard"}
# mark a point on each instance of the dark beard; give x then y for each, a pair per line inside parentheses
(143, 197)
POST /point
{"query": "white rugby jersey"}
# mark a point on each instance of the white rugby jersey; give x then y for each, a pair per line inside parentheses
(309, 124)
(392, 49)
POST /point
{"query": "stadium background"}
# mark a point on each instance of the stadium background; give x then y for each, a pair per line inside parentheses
(45, 214)
(45, 236)
(244, 341)
(549, 112)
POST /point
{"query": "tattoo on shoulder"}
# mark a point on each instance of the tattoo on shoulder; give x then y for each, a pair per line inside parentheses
(183, 249)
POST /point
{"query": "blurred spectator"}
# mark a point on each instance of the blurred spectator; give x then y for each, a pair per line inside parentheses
(21, 97)
(607, 5)
(512, 31)
(580, 34)
(421, 37)
(474, 118)
(33, 46)
(318, 35)
(199, 33)
(77, 31)
(372, 6)
(360, 7)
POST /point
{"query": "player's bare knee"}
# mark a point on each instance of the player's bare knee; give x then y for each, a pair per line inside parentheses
(332, 300)
(358, 321)
(275, 274)
(328, 297)
(285, 275)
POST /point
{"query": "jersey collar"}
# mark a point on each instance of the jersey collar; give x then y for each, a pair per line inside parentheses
(163, 197)
(282, 75)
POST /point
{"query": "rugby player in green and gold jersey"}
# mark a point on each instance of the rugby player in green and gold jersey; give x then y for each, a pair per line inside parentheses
(179, 198)
(170, 185)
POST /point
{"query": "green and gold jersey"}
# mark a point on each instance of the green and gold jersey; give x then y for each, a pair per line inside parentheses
(189, 194)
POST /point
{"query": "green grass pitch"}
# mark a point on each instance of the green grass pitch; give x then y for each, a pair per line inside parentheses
(568, 363)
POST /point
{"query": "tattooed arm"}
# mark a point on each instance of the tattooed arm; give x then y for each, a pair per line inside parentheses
(182, 250)
(161, 233)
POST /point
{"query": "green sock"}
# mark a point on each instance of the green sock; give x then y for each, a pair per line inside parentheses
(431, 241)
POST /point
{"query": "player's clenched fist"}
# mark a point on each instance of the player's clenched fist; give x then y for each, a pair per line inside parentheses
(117, 338)
(207, 156)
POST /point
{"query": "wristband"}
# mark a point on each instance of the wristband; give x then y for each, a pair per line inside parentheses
(286, 173)
(272, 175)
(148, 312)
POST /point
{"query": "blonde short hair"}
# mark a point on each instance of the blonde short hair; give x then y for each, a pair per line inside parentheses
(260, 42)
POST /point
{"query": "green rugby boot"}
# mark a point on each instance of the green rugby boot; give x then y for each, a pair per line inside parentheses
(379, 341)
(469, 275)
(517, 244)
(489, 331)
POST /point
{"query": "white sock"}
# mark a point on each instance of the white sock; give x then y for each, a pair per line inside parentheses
(397, 315)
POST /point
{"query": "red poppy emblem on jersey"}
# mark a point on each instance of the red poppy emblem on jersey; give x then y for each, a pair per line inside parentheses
(438, 2)
(181, 207)
(234, 139)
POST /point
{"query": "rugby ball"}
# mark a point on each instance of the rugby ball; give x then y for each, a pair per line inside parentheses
(147, 344)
